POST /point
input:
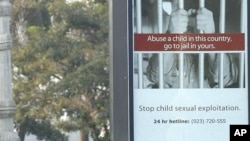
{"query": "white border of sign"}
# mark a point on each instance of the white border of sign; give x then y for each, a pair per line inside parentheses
(134, 120)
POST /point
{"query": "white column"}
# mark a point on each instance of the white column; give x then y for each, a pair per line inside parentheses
(7, 105)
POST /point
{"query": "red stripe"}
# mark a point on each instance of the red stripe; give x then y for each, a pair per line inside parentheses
(189, 42)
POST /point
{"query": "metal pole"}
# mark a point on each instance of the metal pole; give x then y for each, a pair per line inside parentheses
(201, 66)
(160, 16)
(243, 15)
(222, 16)
(201, 60)
(201, 3)
(160, 30)
(221, 74)
(242, 55)
(138, 16)
(119, 106)
(139, 30)
(222, 30)
(181, 4)
(181, 57)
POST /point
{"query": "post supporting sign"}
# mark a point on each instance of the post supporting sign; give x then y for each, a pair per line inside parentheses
(119, 70)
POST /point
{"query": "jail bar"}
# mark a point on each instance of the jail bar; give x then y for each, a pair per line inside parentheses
(139, 30)
(243, 15)
(160, 15)
(222, 30)
(222, 16)
(242, 55)
(201, 56)
(138, 16)
(181, 69)
(201, 3)
(201, 68)
(160, 30)
(221, 73)
(181, 4)
(181, 54)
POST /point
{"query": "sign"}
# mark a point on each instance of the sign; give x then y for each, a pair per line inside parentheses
(189, 68)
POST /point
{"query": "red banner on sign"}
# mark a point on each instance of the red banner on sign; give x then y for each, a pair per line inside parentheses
(189, 42)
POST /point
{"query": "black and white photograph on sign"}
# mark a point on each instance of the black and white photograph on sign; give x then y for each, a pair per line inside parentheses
(218, 70)
(191, 71)
(231, 69)
(213, 66)
(188, 16)
(171, 71)
(184, 93)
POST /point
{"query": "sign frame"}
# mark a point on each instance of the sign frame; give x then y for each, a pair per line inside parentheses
(121, 70)
(131, 66)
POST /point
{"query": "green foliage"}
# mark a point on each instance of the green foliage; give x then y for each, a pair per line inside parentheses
(61, 66)
(42, 129)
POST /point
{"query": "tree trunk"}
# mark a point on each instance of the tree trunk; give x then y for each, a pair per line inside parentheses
(84, 135)
(21, 134)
